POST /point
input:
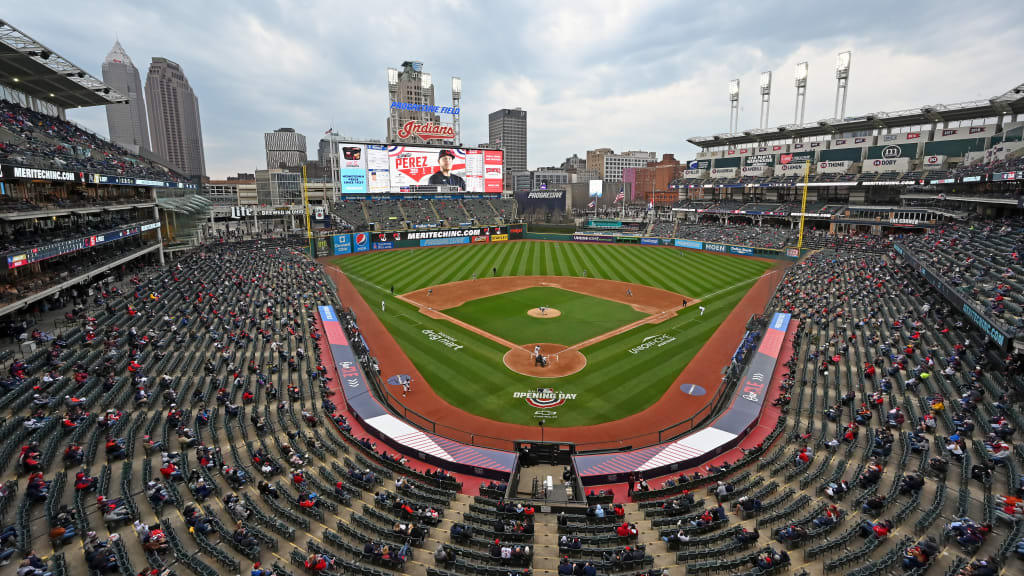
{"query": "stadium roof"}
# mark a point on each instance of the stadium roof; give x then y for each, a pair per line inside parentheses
(1010, 102)
(28, 66)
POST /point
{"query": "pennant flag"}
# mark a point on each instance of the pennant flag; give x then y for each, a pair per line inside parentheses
(619, 197)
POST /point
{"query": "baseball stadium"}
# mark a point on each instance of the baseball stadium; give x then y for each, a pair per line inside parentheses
(794, 353)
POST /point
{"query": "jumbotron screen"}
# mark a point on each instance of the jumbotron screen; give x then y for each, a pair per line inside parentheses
(382, 169)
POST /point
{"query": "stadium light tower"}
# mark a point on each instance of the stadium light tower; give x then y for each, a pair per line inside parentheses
(456, 97)
(766, 97)
(734, 105)
(801, 93)
(392, 98)
(842, 82)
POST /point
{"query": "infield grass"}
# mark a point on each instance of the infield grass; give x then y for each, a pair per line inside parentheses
(615, 382)
(582, 317)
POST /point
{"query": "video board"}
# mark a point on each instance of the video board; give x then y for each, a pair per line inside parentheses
(381, 169)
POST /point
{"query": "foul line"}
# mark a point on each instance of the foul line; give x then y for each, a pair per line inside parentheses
(738, 284)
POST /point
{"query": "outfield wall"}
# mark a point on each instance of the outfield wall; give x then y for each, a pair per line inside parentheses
(717, 247)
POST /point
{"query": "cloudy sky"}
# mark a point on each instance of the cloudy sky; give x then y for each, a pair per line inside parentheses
(626, 75)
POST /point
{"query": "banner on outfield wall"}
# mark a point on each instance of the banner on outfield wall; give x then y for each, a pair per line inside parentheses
(361, 242)
(499, 237)
(342, 244)
(444, 241)
(592, 238)
(691, 244)
(711, 247)
(650, 241)
(741, 250)
(383, 245)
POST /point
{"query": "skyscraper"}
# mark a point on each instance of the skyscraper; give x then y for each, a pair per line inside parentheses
(126, 122)
(174, 117)
(507, 130)
(285, 146)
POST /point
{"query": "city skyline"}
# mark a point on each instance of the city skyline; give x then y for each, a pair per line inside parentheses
(600, 74)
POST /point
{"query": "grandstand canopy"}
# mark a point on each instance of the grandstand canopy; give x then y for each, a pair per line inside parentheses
(29, 67)
(1010, 102)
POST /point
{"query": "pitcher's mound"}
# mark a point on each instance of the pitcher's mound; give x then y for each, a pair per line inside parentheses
(561, 361)
(547, 313)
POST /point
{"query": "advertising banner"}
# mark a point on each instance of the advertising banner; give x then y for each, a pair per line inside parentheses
(724, 172)
(444, 241)
(650, 241)
(722, 248)
(691, 244)
(698, 165)
(595, 188)
(694, 174)
(342, 244)
(353, 169)
(592, 238)
(361, 242)
(886, 165)
(540, 200)
(796, 158)
(834, 167)
(383, 245)
(934, 161)
(499, 238)
(741, 250)
(494, 166)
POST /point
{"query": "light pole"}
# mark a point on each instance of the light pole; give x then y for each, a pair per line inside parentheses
(766, 96)
(456, 98)
(392, 98)
(801, 93)
(734, 105)
(842, 82)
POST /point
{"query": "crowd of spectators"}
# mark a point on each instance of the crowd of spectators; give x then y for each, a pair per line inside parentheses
(38, 140)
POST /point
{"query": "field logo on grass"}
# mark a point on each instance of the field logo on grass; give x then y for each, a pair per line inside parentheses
(443, 339)
(656, 341)
(544, 398)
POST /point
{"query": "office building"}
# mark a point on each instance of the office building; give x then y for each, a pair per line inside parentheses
(285, 148)
(176, 133)
(126, 123)
(415, 87)
(507, 131)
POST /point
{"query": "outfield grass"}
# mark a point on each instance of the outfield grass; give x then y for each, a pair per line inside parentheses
(583, 317)
(615, 382)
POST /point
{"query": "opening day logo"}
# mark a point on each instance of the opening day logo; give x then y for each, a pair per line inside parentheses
(544, 398)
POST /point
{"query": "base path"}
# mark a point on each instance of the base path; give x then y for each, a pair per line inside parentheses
(562, 361)
(640, 429)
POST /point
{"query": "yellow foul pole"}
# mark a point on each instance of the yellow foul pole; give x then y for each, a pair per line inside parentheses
(803, 207)
(305, 204)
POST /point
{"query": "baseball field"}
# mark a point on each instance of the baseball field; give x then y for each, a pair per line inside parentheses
(620, 322)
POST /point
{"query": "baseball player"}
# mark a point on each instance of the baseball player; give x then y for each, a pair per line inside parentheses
(701, 310)
(381, 305)
(536, 351)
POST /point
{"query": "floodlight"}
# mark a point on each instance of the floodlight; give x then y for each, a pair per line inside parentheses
(766, 79)
(425, 81)
(843, 63)
(392, 77)
(456, 85)
(801, 72)
(734, 87)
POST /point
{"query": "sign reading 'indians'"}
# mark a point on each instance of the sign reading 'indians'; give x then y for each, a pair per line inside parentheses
(426, 131)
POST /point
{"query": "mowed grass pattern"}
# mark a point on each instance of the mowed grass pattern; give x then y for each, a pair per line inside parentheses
(582, 317)
(615, 382)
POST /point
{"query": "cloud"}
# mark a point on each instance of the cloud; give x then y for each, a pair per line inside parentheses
(626, 75)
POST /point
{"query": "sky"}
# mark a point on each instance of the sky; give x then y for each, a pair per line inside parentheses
(636, 75)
